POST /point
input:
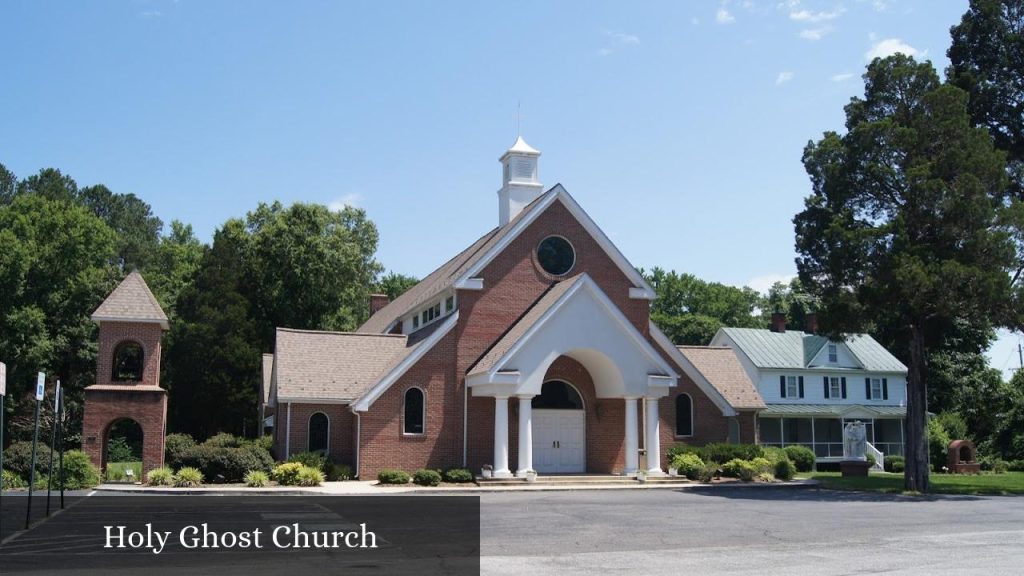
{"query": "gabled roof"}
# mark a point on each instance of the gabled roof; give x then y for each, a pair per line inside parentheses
(723, 370)
(796, 350)
(468, 263)
(131, 301)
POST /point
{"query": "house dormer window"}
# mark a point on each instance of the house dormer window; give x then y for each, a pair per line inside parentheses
(833, 354)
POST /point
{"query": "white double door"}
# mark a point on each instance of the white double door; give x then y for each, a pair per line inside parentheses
(559, 441)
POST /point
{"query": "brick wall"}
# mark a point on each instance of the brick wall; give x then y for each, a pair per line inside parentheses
(342, 438)
(104, 407)
(146, 335)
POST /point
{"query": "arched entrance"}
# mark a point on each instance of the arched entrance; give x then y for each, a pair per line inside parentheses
(122, 450)
(559, 429)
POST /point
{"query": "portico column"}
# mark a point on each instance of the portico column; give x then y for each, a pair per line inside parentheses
(501, 438)
(525, 435)
(653, 438)
(632, 447)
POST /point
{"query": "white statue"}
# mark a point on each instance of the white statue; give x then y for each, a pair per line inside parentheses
(854, 441)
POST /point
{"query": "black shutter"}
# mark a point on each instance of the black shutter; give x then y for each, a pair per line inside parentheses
(826, 387)
(782, 386)
(867, 388)
(843, 381)
(801, 380)
(885, 389)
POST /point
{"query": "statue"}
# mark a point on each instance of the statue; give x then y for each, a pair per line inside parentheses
(854, 441)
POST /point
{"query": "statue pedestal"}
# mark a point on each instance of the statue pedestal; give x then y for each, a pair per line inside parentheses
(854, 467)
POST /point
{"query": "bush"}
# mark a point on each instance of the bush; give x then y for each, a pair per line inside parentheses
(174, 446)
(388, 476)
(784, 469)
(680, 449)
(256, 479)
(762, 465)
(1016, 465)
(708, 473)
(337, 472)
(774, 454)
(118, 450)
(224, 440)
(802, 456)
(18, 459)
(689, 465)
(871, 460)
(287, 474)
(160, 477)
(10, 481)
(722, 453)
(79, 471)
(264, 442)
(938, 444)
(309, 476)
(999, 466)
(188, 477)
(426, 478)
(953, 424)
(226, 464)
(458, 476)
(311, 459)
(743, 469)
(893, 464)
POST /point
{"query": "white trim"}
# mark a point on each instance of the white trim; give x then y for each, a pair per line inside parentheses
(371, 395)
(536, 253)
(560, 193)
(470, 284)
(309, 429)
(359, 426)
(302, 400)
(675, 425)
(423, 411)
(127, 320)
(690, 370)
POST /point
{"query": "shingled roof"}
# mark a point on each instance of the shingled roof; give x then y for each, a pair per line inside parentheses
(268, 373)
(723, 370)
(131, 301)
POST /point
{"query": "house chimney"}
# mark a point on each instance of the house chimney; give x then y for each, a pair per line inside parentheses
(378, 301)
(811, 323)
(778, 322)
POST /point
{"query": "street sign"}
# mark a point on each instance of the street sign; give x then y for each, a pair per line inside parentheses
(40, 386)
(3, 379)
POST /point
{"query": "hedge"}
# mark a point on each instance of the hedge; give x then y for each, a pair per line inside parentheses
(388, 476)
(426, 477)
(458, 476)
(224, 464)
(802, 456)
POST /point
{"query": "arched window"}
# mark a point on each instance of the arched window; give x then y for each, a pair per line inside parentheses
(415, 411)
(684, 415)
(128, 362)
(557, 395)
(319, 433)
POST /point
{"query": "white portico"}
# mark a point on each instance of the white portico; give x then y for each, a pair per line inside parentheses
(576, 319)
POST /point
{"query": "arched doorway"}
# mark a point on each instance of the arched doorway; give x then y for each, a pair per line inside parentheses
(122, 451)
(559, 429)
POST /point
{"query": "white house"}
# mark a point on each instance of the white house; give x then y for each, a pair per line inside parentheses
(812, 386)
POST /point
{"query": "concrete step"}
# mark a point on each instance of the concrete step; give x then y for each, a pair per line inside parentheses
(581, 479)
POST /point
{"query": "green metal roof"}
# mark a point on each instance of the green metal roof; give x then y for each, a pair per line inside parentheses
(835, 410)
(795, 350)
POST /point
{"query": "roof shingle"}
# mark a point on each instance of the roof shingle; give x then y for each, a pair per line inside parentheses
(131, 301)
(723, 370)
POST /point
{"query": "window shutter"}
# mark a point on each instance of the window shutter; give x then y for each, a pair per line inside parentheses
(867, 388)
(826, 388)
(782, 386)
(801, 381)
(843, 382)
(885, 389)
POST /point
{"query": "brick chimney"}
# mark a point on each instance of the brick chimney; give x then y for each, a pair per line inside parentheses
(778, 322)
(378, 301)
(811, 323)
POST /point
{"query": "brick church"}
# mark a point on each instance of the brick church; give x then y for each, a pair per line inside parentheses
(532, 349)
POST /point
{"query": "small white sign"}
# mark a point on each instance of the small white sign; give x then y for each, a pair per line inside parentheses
(40, 386)
(3, 379)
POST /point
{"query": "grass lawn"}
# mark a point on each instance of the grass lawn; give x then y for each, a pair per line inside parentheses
(1009, 483)
(116, 471)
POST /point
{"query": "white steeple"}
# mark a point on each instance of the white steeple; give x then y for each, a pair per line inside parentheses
(519, 185)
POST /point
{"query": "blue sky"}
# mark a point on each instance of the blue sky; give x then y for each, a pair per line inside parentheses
(678, 126)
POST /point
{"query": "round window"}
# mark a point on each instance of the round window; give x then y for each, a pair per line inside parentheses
(556, 255)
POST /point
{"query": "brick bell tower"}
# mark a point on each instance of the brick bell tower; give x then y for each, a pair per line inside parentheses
(127, 373)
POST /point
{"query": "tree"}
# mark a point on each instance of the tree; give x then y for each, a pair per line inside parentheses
(8, 185)
(690, 310)
(909, 224)
(138, 230)
(173, 265)
(790, 299)
(394, 284)
(987, 61)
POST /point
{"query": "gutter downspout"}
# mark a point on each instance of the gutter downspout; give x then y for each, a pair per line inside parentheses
(288, 433)
(359, 425)
(465, 421)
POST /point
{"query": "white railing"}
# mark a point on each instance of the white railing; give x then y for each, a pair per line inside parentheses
(879, 457)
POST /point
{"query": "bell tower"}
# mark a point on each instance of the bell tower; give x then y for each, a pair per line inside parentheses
(519, 184)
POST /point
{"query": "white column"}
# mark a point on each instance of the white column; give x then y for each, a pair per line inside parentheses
(632, 454)
(501, 438)
(525, 435)
(653, 438)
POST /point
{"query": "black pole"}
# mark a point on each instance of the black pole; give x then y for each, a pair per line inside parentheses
(1, 466)
(60, 442)
(53, 448)
(32, 472)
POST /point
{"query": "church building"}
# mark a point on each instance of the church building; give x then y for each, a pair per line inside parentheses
(532, 349)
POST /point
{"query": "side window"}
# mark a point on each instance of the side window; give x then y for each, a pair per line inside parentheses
(684, 415)
(414, 411)
(319, 433)
(833, 354)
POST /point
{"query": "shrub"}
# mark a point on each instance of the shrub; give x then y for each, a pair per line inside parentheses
(264, 442)
(287, 474)
(680, 449)
(999, 466)
(118, 450)
(938, 444)
(743, 469)
(336, 472)
(893, 463)
(708, 473)
(224, 440)
(784, 469)
(458, 476)
(309, 476)
(689, 465)
(10, 481)
(871, 460)
(802, 456)
(764, 477)
(174, 446)
(256, 479)
(160, 477)
(762, 465)
(721, 452)
(1016, 465)
(226, 464)
(79, 471)
(426, 478)
(188, 477)
(311, 459)
(388, 476)
(18, 459)
(953, 424)
(774, 454)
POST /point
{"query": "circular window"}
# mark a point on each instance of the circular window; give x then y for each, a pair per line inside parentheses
(556, 255)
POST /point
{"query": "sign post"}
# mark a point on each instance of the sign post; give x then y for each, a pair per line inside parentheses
(40, 390)
(53, 448)
(60, 439)
(3, 392)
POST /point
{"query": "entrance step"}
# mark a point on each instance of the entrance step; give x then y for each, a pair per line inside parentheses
(581, 479)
